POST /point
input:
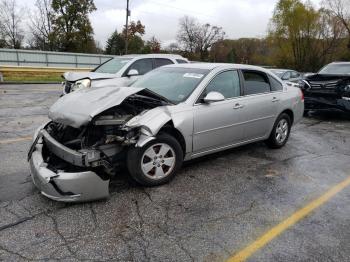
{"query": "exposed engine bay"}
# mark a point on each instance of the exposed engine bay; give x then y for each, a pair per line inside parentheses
(102, 142)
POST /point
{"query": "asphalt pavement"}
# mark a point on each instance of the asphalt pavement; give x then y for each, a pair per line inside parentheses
(215, 207)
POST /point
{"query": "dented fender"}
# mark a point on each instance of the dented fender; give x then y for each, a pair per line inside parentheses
(150, 122)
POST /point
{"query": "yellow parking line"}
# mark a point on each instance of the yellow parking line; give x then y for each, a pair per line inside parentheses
(290, 221)
(14, 140)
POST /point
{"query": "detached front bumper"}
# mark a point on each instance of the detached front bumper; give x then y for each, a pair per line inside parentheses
(318, 103)
(61, 185)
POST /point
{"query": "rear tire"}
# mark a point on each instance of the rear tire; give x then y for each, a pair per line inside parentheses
(280, 132)
(157, 162)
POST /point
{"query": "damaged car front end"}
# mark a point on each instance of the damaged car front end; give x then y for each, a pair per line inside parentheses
(74, 156)
(170, 115)
(328, 89)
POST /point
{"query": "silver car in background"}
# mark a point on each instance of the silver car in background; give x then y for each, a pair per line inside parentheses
(172, 114)
(119, 71)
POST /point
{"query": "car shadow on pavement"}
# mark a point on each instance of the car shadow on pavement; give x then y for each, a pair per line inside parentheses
(123, 181)
(329, 115)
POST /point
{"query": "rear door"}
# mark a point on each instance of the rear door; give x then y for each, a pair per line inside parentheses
(261, 103)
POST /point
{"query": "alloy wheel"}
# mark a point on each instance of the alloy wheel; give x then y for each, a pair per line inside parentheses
(158, 161)
(282, 130)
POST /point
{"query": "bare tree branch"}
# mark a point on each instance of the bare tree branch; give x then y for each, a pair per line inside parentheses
(197, 38)
(11, 23)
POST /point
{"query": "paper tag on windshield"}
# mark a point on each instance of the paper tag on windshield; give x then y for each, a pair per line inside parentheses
(193, 75)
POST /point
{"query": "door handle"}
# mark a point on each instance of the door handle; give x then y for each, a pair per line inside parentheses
(238, 106)
(275, 99)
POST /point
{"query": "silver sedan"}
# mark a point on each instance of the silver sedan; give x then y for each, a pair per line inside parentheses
(170, 115)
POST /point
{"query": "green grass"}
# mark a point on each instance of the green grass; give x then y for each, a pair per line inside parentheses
(33, 78)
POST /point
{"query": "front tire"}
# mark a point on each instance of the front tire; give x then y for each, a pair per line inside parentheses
(157, 162)
(280, 132)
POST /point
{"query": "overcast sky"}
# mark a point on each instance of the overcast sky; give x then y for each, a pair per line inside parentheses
(239, 18)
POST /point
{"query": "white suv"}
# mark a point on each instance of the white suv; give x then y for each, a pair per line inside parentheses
(118, 71)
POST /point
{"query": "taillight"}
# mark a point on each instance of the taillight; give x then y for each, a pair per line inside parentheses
(301, 95)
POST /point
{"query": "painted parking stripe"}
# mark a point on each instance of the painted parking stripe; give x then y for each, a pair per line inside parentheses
(14, 140)
(287, 223)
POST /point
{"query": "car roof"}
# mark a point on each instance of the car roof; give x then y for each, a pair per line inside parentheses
(211, 66)
(341, 62)
(280, 69)
(154, 56)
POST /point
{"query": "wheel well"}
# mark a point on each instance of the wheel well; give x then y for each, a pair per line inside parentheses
(171, 130)
(290, 114)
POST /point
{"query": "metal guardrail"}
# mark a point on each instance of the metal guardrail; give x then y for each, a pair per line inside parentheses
(19, 57)
(5, 69)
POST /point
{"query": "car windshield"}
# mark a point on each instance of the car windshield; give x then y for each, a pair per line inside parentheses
(173, 83)
(112, 66)
(278, 72)
(335, 69)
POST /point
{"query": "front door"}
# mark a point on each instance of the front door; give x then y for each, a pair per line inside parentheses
(217, 124)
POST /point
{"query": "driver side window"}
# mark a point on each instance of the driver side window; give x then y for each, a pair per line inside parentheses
(226, 83)
(142, 66)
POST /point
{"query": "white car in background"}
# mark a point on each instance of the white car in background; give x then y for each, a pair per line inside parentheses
(290, 77)
(118, 71)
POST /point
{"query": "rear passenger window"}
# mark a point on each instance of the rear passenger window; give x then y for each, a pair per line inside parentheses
(181, 61)
(255, 83)
(275, 85)
(162, 62)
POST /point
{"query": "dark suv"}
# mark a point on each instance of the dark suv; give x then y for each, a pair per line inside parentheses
(329, 88)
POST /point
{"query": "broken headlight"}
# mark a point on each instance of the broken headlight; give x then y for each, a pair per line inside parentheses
(80, 84)
(303, 85)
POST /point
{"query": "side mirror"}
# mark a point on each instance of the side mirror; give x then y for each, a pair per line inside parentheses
(213, 97)
(133, 72)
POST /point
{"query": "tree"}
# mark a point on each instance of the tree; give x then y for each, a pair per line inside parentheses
(198, 38)
(173, 48)
(208, 35)
(244, 50)
(72, 26)
(135, 32)
(11, 23)
(136, 45)
(188, 33)
(304, 36)
(135, 28)
(152, 46)
(341, 10)
(41, 26)
(115, 44)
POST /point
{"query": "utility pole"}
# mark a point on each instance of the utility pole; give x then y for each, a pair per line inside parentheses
(126, 26)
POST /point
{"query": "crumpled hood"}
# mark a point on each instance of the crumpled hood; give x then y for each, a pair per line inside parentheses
(78, 108)
(74, 76)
